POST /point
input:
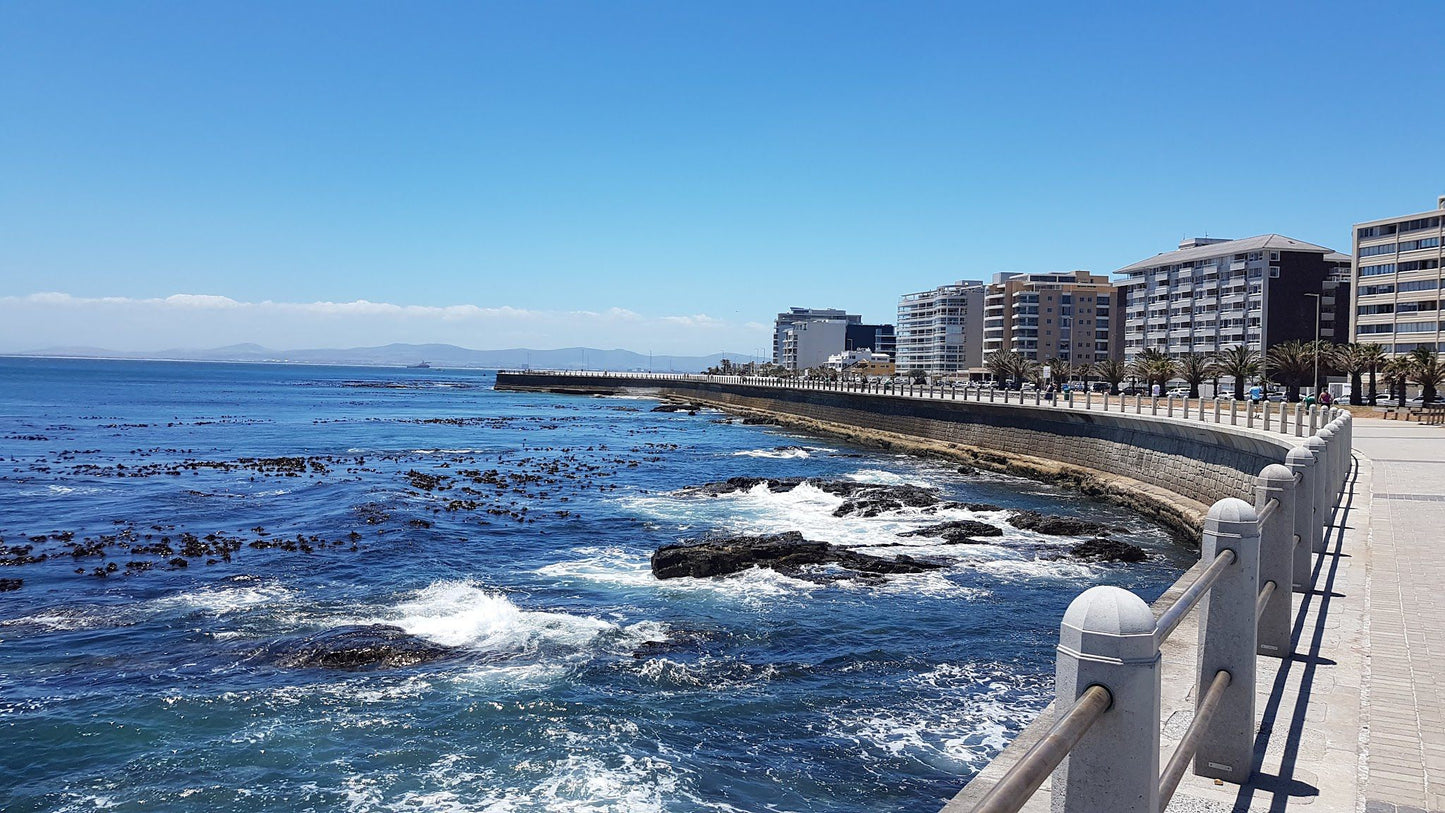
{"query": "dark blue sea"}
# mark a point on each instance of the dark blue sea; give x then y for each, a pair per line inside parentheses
(168, 528)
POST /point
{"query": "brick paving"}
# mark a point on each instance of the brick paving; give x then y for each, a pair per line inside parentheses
(1403, 711)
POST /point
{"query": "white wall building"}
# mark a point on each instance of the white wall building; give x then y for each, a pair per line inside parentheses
(941, 331)
(809, 344)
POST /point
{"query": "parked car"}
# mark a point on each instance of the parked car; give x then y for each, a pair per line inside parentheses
(1177, 392)
(1134, 391)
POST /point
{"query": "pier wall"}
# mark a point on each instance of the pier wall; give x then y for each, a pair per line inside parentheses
(1119, 455)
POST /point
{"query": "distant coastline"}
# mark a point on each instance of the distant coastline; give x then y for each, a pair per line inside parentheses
(438, 356)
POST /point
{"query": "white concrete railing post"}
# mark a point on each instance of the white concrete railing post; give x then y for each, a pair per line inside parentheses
(1249, 414)
(1347, 422)
(1107, 639)
(1265, 409)
(1321, 500)
(1314, 418)
(1332, 459)
(1299, 420)
(1233, 413)
(1154, 405)
(1228, 640)
(1037, 394)
(1217, 404)
(1282, 414)
(1088, 399)
(1276, 557)
(1138, 402)
(1302, 462)
(1169, 406)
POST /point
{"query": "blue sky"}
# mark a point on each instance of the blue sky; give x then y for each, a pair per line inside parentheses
(666, 174)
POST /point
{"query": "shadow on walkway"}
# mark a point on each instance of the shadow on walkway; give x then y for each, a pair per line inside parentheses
(1285, 786)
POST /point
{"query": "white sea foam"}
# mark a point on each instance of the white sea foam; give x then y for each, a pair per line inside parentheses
(223, 600)
(889, 478)
(809, 510)
(457, 613)
(792, 453)
(618, 568)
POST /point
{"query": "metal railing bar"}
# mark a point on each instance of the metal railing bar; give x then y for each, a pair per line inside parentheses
(1179, 763)
(1170, 618)
(1268, 509)
(1264, 594)
(1025, 777)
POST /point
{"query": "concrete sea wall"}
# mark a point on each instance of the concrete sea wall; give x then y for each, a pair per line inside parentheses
(1170, 468)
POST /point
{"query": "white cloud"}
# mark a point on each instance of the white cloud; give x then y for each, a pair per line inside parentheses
(55, 319)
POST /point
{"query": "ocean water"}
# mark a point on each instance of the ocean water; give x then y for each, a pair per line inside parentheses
(191, 519)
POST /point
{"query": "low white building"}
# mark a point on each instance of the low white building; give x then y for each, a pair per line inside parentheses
(809, 344)
(861, 362)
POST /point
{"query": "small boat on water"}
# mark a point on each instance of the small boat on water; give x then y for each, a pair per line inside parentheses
(421, 366)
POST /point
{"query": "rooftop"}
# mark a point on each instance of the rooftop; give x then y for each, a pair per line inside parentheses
(1271, 242)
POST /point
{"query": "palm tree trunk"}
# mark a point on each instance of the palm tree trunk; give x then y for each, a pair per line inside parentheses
(1355, 399)
(1373, 394)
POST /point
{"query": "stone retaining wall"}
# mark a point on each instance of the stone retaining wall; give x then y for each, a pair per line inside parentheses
(1193, 463)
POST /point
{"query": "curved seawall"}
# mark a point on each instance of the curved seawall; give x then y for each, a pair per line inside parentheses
(1171, 468)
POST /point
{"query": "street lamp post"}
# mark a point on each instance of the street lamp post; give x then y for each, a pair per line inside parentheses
(1319, 298)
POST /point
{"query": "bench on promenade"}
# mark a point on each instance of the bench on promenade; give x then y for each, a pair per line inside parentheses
(1433, 415)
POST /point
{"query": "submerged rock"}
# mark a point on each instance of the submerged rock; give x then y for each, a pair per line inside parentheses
(6, 585)
(1108, 550)
(359, 647)
(785, 552)
(1056, 526)
(958, 532)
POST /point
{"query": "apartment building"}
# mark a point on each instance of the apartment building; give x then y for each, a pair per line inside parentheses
(795, 316)
(940, 331)
(1397, 277)
(1069, 315)
(1211, 294)
(809, 344)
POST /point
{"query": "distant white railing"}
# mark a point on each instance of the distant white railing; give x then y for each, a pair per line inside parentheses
(1296, 420)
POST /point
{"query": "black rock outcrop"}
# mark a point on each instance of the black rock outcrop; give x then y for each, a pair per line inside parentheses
(958, 532)
(1056, 526)
(786, 552)
(1108, 550)
(366, 646)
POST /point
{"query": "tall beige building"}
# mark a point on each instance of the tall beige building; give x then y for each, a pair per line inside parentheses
(1398, 282)
(1067, 315)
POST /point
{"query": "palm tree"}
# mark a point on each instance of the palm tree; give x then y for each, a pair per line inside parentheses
(1293, 363)
(1060, 370)
(1194, 368)
(1350, 359)
(1375, 358)
(1112, 371)
(1154, 366)
(1396, 373)
(1428, 370)
(1239, 363)
(998, 363)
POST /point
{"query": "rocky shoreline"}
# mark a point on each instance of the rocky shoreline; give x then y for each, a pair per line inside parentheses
(794, 555)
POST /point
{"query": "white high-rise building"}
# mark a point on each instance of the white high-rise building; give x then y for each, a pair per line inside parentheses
(941, 331)
(1398, 282)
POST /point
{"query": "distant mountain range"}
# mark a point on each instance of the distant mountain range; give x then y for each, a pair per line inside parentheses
(401, 355)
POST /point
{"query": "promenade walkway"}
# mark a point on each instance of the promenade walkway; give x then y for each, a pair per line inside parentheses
(1403, 703)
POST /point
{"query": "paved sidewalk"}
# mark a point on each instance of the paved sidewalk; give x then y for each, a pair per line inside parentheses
(1354, 720)
(1403, 707)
